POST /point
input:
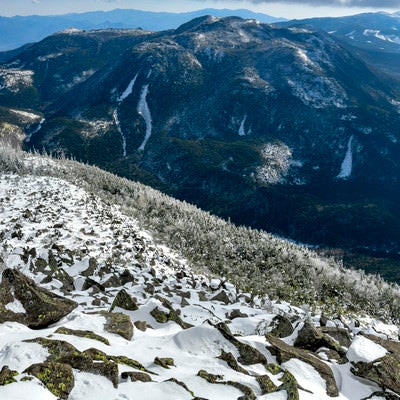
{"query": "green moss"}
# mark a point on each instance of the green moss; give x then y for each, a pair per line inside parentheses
(84, 334)
(275, 369)
(164, 362)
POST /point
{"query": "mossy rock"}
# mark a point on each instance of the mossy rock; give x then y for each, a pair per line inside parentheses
(275, 369)
(57, 377)
(231, 361)
(118, 323)
(281, 326)
(141, 325)
(266, 384)
(222, 296)
(164, 362)
(84, 334)
(248, 354)
(135, 376)
(96, 362)
(210, 378)
(125, 301)
(42, 307)
(180, 383)
(284, 352)
(7, 376)
(247, 391)
(290, 385)
(385, 371)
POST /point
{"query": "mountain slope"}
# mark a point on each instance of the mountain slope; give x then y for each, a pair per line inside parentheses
(264, 125)
(192, 335)
(18, 31)
(373, 36)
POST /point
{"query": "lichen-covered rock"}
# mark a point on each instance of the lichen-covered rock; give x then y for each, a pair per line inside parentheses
(118, 323)
(62, 352)
(266, 384)
(123, 300)
(80, 333)
(281, 326)
(36, 307)
(57, 377)
(135, 376)
(222, 296)
(290, 385)
(384, 371)
(180, 383)
(284, 352)
(164, 362)
(210, 378)
(231, 361)
(141, 325)
(341, 335)
(7, 376)
(309, 338)
(248, 354)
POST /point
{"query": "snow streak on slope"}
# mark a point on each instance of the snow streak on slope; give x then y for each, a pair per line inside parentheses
(127, 92)
(347, 163)
(118, 124)
(144, 110)
(36, 130)
(242, 132)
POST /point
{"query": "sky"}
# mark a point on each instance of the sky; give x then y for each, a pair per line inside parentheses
(279, 8)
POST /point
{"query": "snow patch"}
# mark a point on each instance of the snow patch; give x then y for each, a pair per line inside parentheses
(128, 91)
(144, 110)
(15, 306)
(14, 79)
(365, 350)
(347, 163)
(242, 132)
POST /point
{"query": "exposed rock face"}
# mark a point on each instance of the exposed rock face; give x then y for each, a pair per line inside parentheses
(284, 353)
(21, 300)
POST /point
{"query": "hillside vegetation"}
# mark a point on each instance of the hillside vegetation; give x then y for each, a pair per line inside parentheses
(255, 261)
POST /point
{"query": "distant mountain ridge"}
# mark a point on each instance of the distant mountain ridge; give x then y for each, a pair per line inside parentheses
(374, 37)
(19, 30)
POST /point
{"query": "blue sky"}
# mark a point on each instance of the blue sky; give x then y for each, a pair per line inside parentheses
(281, 8)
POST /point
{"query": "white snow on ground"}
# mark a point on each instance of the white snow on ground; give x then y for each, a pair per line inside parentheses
(307, 377)
(363, 349)
(66, 216)
(15, 306)
(347, 163)
(144, 110)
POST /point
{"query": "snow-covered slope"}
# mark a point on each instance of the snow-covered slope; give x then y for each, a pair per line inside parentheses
(148, 326)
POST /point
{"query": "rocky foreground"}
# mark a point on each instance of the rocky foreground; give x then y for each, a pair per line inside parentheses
(92, 308)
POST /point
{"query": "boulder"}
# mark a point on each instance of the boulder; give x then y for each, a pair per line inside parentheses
(384, 371)
(281, 327)
(119, 324)
(309, 338)
(7, 376)
(284, 352)
(57, 377)
(135, 376)
(21, 300)
(124, 300)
